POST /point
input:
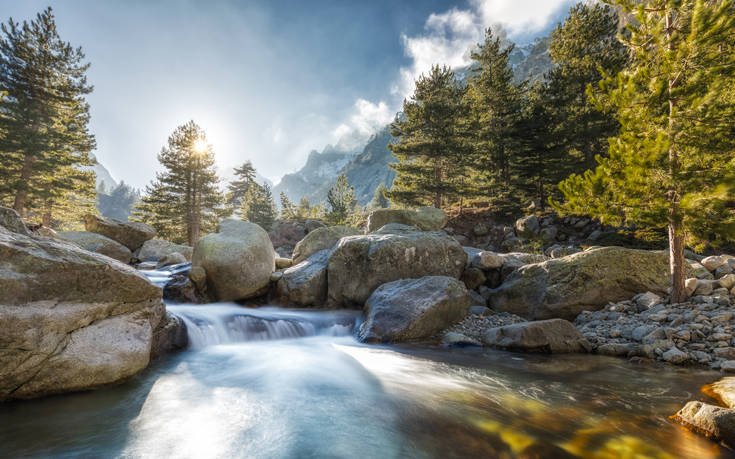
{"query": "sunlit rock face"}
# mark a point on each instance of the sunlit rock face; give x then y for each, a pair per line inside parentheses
(155, 249)
(305, 284)
(320, 239)
(97, 243)
(71, 319)
(130, 234)
(360, 264)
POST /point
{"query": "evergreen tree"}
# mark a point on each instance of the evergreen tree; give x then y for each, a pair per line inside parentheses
(672, 162)
(585, 45)
(429, 148)
(238, 188)
(118, 202)
(304, 209)
(288, 209)
(44, 120)
(341, 200)
(184, 200)
(258, 206)
(379, 200)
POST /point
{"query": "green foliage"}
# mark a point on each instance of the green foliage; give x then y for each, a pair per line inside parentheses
(258, 206)
(380, 201)
(44, 117)
(341, 200)
(118, 202)
(238, 188)
(288, 210)
(184, 201)
(645, 239)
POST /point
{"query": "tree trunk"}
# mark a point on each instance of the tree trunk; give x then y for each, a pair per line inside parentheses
(46, 217)
(676, 262)
(25, 174)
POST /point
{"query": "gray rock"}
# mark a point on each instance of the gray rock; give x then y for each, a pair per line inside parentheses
(305, 284)
(130, 234)
(473, 278)
(283, 263)
(412, 309)
(155, 249)
(527, 226)
(549, 233)
(554, 336)
(359, 264)
(715, 422)
(480, 230)
(723, 270)
(487, 260)
(454, 339)
(713, 262)
(477, 299)
(725, 353)
(648, 300)
(169, 336)
(10, 220)
(320, 239)
(238, 260)
(615, 349)
(728, 366)
(97, 243)
(727, 281)
(174, 258)
(424, 218)
(480, 310)
(705, 286)
(675, 356)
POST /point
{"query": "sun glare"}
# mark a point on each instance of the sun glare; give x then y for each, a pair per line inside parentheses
(200, 145)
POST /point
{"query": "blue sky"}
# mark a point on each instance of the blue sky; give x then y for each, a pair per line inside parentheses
(268, 80)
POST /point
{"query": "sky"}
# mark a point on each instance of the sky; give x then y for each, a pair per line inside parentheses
(268, 80)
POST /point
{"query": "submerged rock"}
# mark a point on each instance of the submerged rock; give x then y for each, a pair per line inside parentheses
(130, 234)
(320, 239)
(412, 309)
(305, 284)
(724, 391)
(712, 421)
(97, 243)
(359, 264)
(553, 336)
(424, 218)
(238, 260)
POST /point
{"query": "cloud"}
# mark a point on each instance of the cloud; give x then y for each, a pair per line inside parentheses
(366, 118)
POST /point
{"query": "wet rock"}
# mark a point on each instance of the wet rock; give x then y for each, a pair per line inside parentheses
(712, 421)
(724, 391)
(554, 336)
(130, 234)
(424, 218)
(170, 336)
(675, 356)
(412, 309)
(97, 243)
(615, 349)
(321, 239)
(155, 249)
(174, 258)
(305, 284)
(181, 289)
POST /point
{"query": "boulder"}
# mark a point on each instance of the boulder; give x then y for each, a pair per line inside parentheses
(97, 243)
(174, 258)
(527, 226)
(564, 287)
(182, 290)
(155, 249)
(10, 220)
(359, 264)
(170, 336)
(552, 336)
(130, 234)
(411, 309)
(305, 284)
(712, 421)
(723, 390)
(71, 319)
(425, 218)
(487, 260)
(713, 262)
(320, 239)
(238, 260)
(45, 231)
(283, 263)
(473, 278)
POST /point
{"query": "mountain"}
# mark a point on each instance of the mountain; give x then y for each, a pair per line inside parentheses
(102, 175)
(370, 168)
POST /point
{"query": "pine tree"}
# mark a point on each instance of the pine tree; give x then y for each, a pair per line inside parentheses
(672, 162)
(429, 148)
(118, 202)
(258, 206)
(379, 200)
(304, 209)
(341, 200)
(238, 188)
(288, 209)
(184, 200)
(44, 120)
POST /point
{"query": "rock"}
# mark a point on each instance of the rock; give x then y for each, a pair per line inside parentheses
(564, 287)
(648, 300)
(424, 218)
(477, 299)
(549, 233)
(705, 287)
(155, 249)
(552, 336)
(458, 339)
(10, 220)
(320, 239)
(725, 353)
(712, 421)
(276, 276)
(71, 319)
(411, 309)
(170, 336)
(594, 235)
(238, 260)
(471, 252)
(45, 231)
(473, 278)
(480, 230)
(285, 234)
(675, 356)
(359, 264)
(282, 263)
(699, 271)
(97, 243)
(723, 270)
(727, 281)
(713, 262)
(615, 349)
(527, 226)
(691, 285)
(728, 366)
(174, 258)
(487, 260)
(723, 390)
(480, 311)
(181, 289)
(305, 284)
(198, 275)
(130, 234)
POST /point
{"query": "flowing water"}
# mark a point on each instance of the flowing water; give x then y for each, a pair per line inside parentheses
(277, 383)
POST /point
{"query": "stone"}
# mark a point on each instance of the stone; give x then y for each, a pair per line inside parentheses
(551, 336)
(130, 234)
(728, 366)
(705, 287)
(198, 275)
(180, 289)
(360, 264)
(486, 260)
(45, 231)
(71, 319)
(412, 309)
(238, 260)
(283, 263)
(424, 218)
(549, 233)
(97, 243)
(480, 230)
(480, 311)
(723, 390)
(473, 278)
(699, 271)
(174, 258)
(615, 349)
(675, 356)
(155, 249)
(648, 300)
(713, 262)
(727, 281)
(723, 270)
(691, 285)
(564, 287)
(477, 299)
(594, 235)
(725, 353)
(320, 239)
(527, 226)
(305, 284)
(10, 220)
(458, 339)
(712, 421)
(170, 336)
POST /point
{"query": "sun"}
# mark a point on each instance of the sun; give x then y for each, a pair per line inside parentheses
(200, 145)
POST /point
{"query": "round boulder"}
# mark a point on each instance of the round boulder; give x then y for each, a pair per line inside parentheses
(320, 239)
(130, 234)
(155, 249)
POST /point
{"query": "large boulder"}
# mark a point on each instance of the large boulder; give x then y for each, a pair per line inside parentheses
(71, 319)
(10, 220)
(564, 287)
(412, 309)
(238, 260)
(553, 336)
(360, 264)
(425, 218)
(723, 390)
(305, 284)
(97, 243)
(155, 249)
(130, 234)
(170, 336)
(712, 421)
(320, 239)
